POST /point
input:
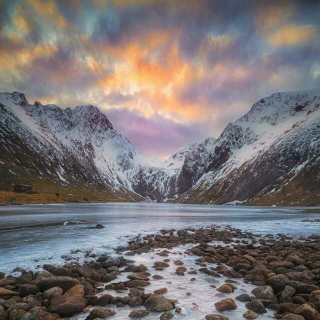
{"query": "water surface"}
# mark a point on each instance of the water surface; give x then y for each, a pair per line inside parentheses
(34, 234)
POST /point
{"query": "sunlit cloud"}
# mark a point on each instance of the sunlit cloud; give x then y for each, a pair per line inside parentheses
(181, 70)
(290, 35)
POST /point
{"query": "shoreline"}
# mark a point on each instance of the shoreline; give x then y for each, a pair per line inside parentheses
(286, 271)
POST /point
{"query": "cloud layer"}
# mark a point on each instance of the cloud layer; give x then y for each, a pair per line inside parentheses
(166, 72)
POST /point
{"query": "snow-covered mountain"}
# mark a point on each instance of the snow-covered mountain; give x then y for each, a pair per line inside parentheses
(80, 146)
(271, 155)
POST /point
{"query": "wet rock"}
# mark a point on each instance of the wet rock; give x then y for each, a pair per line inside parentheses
(28, 289)
(216, 317)
(307, 312)
(100, 313)
(180, 271)
(25, 278)
(293, 317)
(16, 314)
(53, 292)
(100, 226)
(197, 251)
(103, 300)
(76, 291)
(303, 288)
(178, 263)
(304, 276)
(256, 306)
(244, 297)
(281, 264)
(3, 315)
(137, 283)
(265, 293)
(67, 306)
(287, 294)
(288, 307)
(135, 301)
(278, 282)
(65, 283)
(161, 291)
(167, 316)
(158, 304)
(138, 276)
(315, 299)
(225, 289)
(250, 315)
(6, 292)
(138, 314)
(161, 264)
(109, 277)
(157, 277)
(226, 304)
(39, 313)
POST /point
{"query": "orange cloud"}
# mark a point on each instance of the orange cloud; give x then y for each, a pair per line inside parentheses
(292, 34)
(155, 70)
(14, 59)
(49, 9)
(272, 15)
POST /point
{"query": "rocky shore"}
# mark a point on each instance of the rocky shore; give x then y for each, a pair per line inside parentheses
(285, 273)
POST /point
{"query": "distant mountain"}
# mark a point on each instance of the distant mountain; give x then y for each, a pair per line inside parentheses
(271, 155)
(80, 148)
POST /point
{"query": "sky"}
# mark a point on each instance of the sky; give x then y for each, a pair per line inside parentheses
(166, 72)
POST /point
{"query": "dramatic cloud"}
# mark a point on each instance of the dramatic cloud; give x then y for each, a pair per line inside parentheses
(166, 72)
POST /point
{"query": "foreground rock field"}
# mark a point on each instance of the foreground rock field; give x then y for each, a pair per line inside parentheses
(252, 275)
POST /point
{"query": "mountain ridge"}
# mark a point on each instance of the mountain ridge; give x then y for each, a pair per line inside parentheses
(80, 147)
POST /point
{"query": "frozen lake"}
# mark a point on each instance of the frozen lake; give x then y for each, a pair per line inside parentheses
(35, 234)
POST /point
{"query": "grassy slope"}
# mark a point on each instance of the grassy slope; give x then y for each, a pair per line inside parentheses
(44, 190)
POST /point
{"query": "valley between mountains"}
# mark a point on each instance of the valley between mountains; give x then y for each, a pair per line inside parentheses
(270, 156)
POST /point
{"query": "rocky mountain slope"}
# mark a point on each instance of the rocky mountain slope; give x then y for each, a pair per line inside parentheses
(271, 155)
(79, 147)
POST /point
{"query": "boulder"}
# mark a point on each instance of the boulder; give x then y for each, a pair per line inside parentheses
(167, 316)
(315, 299)
(103, 300)
(278, 282)
(250, 315)
(160, 264)
(67, 306)
(138, 314)
(16, 314)
(307, 312)
(225, 289)
(226, 304)
(137, 283)
(265, 293)
(39, 313)
(216, 317)
(158, 304)
(5, 292)
(76, 291)
(65, 283)
(28, 289)
(256, 306)
(53, 292)
(244, 297)
(292, 316)
(100, 313)
(3, 315)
